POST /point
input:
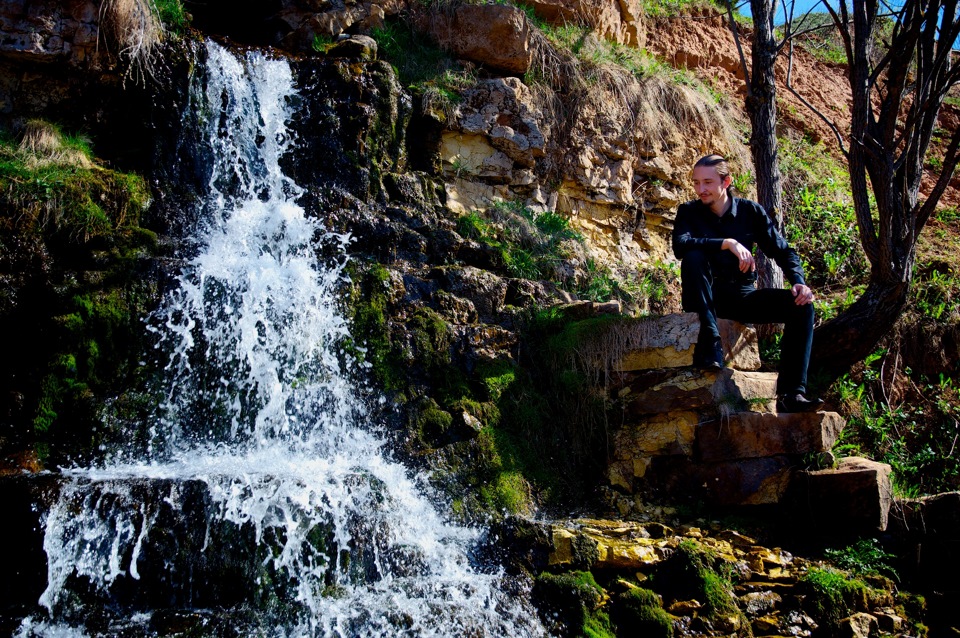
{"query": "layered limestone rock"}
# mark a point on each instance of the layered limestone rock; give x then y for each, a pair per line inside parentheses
(670, 341)
(717, 435)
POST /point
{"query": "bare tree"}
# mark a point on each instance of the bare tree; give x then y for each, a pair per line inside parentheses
(897, 90)
(897, 95)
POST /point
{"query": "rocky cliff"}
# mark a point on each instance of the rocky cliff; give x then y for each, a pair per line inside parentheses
(508, 206)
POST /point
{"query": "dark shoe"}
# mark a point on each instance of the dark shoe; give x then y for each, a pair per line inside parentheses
(708, 355)
(797, 403)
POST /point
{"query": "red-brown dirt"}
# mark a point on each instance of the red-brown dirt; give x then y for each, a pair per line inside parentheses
(704, 45)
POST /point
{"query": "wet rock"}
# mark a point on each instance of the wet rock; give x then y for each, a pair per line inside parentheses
(484, 289)
(759, 603)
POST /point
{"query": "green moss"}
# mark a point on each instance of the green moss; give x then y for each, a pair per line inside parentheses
(575, 599)
(639, 612)
(696, 572)
(367, 309)
(431, 423)
(831, 595)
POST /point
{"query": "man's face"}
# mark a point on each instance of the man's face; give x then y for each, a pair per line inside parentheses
(708, 184)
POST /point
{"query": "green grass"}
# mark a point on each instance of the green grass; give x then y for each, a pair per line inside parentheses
(864, 558)
(831, 595)
(173, 15)
(419, 63)
(57, 188)
(917, 437)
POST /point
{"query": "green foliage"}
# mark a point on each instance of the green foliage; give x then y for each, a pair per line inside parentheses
(321, 43)
(919, 440)
(659, 285)
(694, 571)
(528, 244)
(826, 235)
(172, 14)
(935, 293)
(831, 596)
(419, 62)
(50, 183)
(596, 53)
(864, 558)
(574, 598)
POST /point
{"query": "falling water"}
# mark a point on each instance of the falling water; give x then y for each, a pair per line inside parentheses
(260, 434)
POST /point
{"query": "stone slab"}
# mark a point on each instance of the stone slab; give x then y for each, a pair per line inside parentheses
(728, 391)
(747, 435)
(748, 482)
(852, 499)
(669, 343)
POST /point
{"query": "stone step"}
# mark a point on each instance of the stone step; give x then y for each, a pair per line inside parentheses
(668, 341)
(752, 435)
(728, 390)
(854, 497)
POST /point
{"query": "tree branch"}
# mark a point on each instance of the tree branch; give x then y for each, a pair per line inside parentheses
(736, 38)
(803, 100)
(951, 158)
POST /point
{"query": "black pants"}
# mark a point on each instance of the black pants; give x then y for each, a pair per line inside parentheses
(744, 303)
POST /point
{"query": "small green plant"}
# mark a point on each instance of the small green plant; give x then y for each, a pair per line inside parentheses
(419, 63)
(831, 596)
(864, 558)
(172, 14)
(321, 43)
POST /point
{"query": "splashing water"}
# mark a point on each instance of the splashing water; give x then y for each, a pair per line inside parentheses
(261, 436)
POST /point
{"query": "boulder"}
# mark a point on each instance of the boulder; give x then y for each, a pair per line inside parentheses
(494, 35)
(668, 342)
(750, 435)
(852, 499)
(356, 47)
(859, 625)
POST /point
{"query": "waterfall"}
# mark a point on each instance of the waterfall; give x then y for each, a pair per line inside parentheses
(261, 459)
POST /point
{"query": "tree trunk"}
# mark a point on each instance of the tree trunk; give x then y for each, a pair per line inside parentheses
(761, 105)
(855, 333)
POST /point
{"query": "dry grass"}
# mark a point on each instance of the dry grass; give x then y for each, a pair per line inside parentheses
(648, 105)
(134, 29)
(42, 144)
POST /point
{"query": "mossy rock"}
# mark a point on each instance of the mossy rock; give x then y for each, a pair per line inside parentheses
(695, 572)
(639, 612)
(830, 595)
(575, 600)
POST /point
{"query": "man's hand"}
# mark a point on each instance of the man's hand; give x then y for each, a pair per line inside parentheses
(747, 264)
(802, 294)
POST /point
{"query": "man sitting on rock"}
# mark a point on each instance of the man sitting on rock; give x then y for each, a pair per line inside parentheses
(714, 239)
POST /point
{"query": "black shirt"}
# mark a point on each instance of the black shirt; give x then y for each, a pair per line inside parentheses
(698, 227)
